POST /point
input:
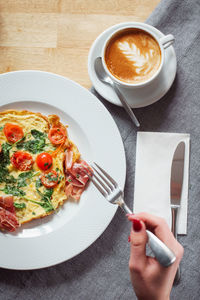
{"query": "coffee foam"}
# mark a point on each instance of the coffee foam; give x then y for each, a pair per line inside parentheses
(133, 56)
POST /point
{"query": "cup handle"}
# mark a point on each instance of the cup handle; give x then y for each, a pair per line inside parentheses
(167, 40)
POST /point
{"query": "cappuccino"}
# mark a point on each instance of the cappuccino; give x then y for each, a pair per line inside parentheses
(133, 56)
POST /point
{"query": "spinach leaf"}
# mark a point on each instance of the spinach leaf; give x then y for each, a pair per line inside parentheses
(35, 145)
(4, 156)
(13, 190)
(38, 134)
(47, 206)
(45, 197)
(4, 161)
(19, 205)
(21, 180)
(5, 177)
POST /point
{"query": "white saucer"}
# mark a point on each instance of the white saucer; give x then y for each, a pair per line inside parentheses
(139, 97)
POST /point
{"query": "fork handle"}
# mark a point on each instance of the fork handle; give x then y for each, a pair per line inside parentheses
(162, 253)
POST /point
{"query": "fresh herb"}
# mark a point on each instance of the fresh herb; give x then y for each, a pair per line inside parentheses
(33, 213)
(50, 177)
(38, 134)
(4, 161)
(5, 154)
(19, 205)
(37, 144)
(13, 190)
(47, 164)
(38, 183)
(45, 197)
(21, 180)
(5, 177)
(1, 127)
(69, 180)
(46, 200)
(77, 175)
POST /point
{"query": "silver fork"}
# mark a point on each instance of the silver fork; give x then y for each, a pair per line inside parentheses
(113, 193)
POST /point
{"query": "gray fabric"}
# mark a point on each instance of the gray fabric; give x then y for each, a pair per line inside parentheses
(101, 272)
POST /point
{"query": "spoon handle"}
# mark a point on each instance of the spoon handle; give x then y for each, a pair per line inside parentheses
(126, 105)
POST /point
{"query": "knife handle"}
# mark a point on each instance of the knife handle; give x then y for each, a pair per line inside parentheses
(174, 221)
(174, 231)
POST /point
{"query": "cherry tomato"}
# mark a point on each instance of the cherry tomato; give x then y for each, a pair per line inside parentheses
(44, 161)
(50, 179)
(13, 132)
(57, 135)
(21, 160)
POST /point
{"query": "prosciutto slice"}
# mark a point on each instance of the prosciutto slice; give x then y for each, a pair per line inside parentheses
(77, 179)
(7, 203)
(8, 220)
(68, 159)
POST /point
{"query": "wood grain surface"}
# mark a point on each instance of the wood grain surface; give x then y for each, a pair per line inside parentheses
(56, 35)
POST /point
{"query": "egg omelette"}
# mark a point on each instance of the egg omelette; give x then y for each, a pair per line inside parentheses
(40, 168)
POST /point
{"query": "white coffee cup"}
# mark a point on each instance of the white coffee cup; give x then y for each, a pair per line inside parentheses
(163, 43)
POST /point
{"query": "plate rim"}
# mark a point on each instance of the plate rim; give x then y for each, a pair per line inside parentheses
(76, 85)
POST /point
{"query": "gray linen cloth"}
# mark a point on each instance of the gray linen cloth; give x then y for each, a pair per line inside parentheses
(101, 272)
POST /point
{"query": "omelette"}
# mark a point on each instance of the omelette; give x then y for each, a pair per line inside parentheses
(40, 167)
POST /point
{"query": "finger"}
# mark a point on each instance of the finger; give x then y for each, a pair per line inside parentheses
(161, 229)
(155, 224)
(138, 259)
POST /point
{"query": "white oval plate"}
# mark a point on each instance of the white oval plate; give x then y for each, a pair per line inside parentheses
(61, 236)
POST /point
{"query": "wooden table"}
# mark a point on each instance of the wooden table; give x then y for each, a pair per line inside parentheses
(56, 35)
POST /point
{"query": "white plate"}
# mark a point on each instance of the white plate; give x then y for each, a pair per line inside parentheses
(139, 97)
(76, 226)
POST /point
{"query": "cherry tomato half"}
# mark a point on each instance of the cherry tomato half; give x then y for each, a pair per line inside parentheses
(44, 161)
(21, 160)
(13, 132)
(57, 135)
(50, 179)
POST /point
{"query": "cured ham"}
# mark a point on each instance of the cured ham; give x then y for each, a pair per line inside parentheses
(77, 179)
(7, 203)
(68, 159)
(8, 220)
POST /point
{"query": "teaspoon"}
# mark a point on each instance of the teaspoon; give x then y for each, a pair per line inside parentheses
(101, 74)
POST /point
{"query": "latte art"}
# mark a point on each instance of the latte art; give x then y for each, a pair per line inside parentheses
(133, 56)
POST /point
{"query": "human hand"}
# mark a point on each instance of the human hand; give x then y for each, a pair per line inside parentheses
(150, 280)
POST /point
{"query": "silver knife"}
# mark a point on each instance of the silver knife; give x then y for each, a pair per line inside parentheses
(177, 172)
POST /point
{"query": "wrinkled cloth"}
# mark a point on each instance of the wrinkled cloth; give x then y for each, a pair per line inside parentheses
(101, 271)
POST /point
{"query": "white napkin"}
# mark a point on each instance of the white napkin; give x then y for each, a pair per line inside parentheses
(154, 154)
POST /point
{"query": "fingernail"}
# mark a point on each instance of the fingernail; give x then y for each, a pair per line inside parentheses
(129, 238)
(137, 225)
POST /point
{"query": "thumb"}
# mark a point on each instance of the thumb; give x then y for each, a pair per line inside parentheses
(139, 239)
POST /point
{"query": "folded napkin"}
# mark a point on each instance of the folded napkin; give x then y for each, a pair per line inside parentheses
(154, 154)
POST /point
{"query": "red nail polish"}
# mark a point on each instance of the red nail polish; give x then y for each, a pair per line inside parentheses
(137, 225)
(129, 238)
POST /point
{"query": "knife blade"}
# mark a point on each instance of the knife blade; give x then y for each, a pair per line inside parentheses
(176, 184)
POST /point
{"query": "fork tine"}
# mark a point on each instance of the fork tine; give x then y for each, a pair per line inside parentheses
(107, 175)
(96, 184)
(104, 179)
(101, 182)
